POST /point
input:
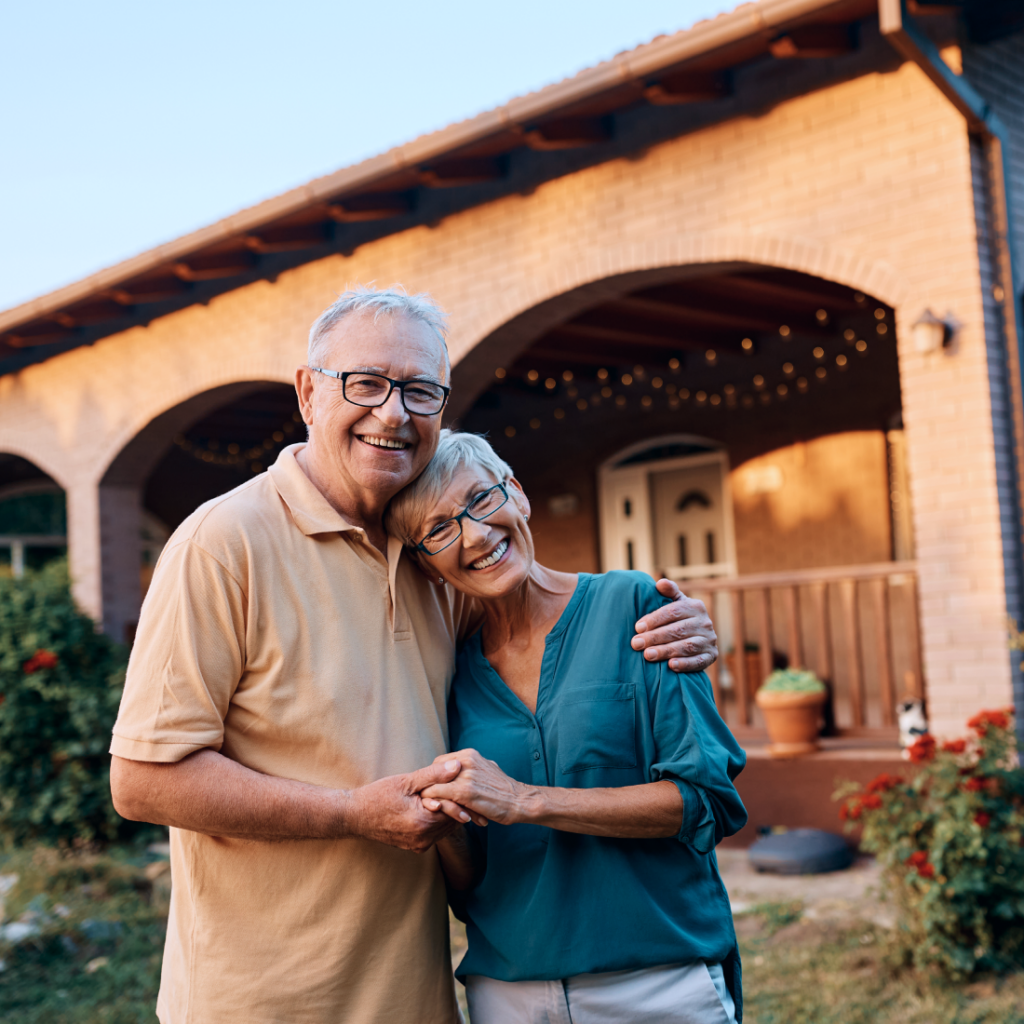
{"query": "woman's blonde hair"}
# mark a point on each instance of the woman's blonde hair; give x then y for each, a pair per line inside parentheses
(455, 449)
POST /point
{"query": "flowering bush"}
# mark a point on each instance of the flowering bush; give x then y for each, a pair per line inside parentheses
(949, 839)
(60, 683)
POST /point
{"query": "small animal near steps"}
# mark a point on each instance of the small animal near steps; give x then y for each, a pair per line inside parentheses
(912, 722)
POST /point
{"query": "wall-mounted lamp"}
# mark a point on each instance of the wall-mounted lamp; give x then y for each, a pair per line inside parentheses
(930, 333)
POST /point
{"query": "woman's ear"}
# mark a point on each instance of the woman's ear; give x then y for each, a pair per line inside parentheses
(518, 495)
(423, 564)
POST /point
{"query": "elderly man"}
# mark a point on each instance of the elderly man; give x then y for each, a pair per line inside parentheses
(286, 699)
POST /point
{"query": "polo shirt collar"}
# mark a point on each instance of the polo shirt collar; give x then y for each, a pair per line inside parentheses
(311, 511)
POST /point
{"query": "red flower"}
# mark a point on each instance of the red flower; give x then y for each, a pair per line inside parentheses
(983, 719)
(955, 746)
(851, 810)
(926, 870)
(982, 819)
(917, 858)
(883, 783)
(871, 802)
(974, 784)
(922, 749)
(41, 659)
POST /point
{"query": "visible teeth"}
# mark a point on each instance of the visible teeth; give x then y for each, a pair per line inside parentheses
(384, 442)
(492, 557)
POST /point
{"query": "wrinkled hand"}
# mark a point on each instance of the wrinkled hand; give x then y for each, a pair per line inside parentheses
(482, 788)
(390, 810)
(680, 633)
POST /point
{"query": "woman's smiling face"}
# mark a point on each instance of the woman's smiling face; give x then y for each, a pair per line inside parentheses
(492, 557)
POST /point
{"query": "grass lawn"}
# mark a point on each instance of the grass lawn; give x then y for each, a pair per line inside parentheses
(100, 921)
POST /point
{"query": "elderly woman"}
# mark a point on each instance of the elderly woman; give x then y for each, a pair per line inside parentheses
(594, 895)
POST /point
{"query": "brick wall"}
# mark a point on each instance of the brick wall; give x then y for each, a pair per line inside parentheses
(823, 502)
(868, 182)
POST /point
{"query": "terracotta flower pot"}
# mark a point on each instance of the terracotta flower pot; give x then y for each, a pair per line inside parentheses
(793, 720)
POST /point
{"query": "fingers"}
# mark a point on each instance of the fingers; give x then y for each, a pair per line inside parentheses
(683, 656)
(454, 811)
(434, 774)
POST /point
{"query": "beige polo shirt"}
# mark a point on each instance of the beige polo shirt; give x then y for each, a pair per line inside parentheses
(275, 633)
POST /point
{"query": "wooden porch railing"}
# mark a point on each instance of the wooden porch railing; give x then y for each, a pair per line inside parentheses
(855, 626)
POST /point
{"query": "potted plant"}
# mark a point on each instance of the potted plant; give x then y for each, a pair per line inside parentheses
(791, 701)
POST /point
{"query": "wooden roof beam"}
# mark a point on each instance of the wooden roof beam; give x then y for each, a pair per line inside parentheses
(209, 268)
(690, 316)
(614, 334)
(462, 171)
(813, 41)
(689, 87)
(353, 209)
(568, 133)
(304, 236)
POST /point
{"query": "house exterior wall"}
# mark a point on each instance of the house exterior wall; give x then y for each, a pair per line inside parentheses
(817, 503)
(868, 182)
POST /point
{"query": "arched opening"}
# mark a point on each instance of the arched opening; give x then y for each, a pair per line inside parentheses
(188, 455)
(33, 516)
(749, 420)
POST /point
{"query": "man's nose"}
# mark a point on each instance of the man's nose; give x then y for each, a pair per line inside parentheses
(392, 413)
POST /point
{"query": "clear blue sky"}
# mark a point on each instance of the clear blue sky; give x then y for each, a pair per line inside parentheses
(123, 125)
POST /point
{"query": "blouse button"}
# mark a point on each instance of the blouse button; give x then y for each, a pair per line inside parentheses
(536, 755)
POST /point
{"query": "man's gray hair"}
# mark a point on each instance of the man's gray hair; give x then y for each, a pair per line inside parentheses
(377, 302)
(455, 449)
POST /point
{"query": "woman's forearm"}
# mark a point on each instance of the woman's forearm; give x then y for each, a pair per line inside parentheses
(650, 811)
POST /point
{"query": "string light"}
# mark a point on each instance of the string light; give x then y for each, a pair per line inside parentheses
(234, 456)
(675, 397)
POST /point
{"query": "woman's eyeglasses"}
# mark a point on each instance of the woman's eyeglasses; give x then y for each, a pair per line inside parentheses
(447, 533)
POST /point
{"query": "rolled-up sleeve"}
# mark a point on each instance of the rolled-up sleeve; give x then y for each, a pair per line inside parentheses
(188, 658)
(696, 751)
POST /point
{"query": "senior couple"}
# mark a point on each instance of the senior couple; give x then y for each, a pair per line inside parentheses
(354, 696)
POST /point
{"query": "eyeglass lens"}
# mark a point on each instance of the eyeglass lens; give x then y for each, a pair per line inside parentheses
(369, 390)
(479, 508)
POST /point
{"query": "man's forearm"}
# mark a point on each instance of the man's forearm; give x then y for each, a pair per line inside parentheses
(209, 793)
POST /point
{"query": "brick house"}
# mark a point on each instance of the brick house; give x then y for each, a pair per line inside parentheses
(740, 305)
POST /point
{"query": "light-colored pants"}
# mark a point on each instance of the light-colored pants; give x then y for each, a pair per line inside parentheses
(674, 994)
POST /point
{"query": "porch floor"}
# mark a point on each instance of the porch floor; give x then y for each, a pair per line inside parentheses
(797, 793)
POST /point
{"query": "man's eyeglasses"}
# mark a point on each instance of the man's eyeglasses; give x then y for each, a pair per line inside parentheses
(370, 390)
(448, 532)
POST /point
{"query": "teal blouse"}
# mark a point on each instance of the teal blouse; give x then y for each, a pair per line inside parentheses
(552, 904)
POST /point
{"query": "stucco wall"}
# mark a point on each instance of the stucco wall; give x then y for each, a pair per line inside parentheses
(867, 183)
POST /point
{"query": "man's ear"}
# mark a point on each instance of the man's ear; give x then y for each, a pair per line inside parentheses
(304, 393)
(518, 495)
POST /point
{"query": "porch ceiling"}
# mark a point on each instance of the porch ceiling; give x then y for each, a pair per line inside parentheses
(753, 358)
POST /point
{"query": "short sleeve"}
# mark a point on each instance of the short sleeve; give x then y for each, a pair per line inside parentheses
(188, 658)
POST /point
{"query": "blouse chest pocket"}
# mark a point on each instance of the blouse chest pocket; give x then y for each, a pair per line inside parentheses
(597, 727)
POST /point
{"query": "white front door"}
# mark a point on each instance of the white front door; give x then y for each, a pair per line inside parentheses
(668, 516)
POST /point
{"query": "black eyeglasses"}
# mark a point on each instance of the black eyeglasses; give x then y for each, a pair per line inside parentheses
(370, 390)
(482, 506)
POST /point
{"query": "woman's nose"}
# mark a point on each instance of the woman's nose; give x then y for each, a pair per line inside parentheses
(474, 533)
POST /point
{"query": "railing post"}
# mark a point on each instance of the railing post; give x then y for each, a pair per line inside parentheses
(822, 633)
(740, 656)
(794, 653)
(914, 639)
(851, 627)
(880, 603)
(764, 631)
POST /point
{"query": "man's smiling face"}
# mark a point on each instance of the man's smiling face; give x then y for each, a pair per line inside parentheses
(370, 454)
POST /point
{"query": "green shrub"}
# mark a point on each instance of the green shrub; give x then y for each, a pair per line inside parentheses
(60, 684)
(949, 841)
(793, 680)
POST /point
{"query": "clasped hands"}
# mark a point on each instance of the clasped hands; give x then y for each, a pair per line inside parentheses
(416, 810)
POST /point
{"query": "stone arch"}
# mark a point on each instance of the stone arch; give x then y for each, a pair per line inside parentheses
(530, 305)
(33, 515)
(120, 494)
